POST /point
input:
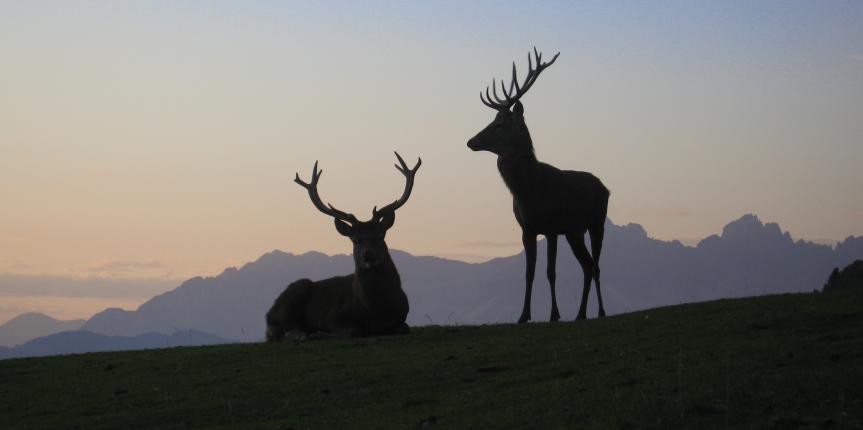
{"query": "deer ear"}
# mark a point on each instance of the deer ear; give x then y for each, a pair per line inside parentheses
(388, 219)
(343, 227)
(518, 109)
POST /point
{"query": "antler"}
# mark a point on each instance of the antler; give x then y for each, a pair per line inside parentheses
(409, 184)
(328, 209)
(510, 97)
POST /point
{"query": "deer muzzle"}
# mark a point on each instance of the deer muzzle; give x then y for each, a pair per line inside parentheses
(369, 260)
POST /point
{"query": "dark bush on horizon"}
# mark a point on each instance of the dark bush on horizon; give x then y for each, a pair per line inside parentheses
(848, 278)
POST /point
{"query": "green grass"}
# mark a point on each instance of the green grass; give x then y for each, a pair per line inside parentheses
(771, 362)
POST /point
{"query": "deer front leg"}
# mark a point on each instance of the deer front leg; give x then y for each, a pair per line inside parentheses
(388, 327)
(551, 273)
(576, 242)
(529, 241)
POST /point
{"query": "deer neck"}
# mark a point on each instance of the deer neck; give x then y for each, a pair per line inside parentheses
(382, 277)
(378, 289)
(518, 171)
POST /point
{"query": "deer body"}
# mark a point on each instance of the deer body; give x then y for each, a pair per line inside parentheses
(310, 307)
(540, 212)
(368, 302)
(546, 200)
(365, 303)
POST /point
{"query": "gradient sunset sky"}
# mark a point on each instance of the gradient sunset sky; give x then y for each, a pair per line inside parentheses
(160, 139)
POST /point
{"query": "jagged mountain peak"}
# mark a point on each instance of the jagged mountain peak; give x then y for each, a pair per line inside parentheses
(741, 226)
(636, 230)
(749, 228)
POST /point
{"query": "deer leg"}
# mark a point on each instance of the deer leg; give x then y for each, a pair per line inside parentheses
(599, 297)
(596, 235)
(576, 242)
(529, 241)
(387, 327)
(403, 329)
(551, 273)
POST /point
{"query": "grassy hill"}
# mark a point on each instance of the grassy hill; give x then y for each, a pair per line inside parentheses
(770, 362)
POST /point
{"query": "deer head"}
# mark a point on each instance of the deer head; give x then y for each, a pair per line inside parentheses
(508, 134)
(370, 249)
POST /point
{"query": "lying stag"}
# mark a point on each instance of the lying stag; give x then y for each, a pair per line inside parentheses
(368, 302)
(545, 199)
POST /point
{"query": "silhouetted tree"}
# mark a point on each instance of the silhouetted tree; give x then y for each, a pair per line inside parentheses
(849, 277)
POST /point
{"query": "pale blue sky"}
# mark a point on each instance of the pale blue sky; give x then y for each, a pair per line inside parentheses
(169, 132)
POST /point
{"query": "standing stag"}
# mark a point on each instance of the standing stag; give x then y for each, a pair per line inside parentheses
(368, 302)
(545, 199)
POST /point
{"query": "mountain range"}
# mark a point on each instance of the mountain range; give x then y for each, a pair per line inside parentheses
(748, 258)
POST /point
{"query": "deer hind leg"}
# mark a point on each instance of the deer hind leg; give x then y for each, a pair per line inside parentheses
(576, 242)
(529, 241)
(596, 235)
(551, 273)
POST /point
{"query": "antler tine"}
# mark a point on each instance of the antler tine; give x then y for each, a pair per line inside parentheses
(505, 92)
(404, 167)
(533, 73)
(514, 80)
(409, 184)
(500, 105)
(312, 188)
(494, 91)
(487, 103)
(515, 91)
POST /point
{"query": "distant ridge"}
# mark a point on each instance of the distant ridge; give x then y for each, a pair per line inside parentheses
(32, 325)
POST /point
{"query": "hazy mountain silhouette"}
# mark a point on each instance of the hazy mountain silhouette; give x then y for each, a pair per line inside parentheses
(748, 258)
(32, 325)
(79, 341)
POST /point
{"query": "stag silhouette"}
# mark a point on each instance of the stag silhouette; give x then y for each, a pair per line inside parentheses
(545, 199)
(368, 302)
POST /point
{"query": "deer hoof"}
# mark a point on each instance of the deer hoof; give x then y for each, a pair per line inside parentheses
(581, 316)
(523, 319)
(555, 317)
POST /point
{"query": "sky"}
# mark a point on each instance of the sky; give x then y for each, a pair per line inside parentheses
(159, 140)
